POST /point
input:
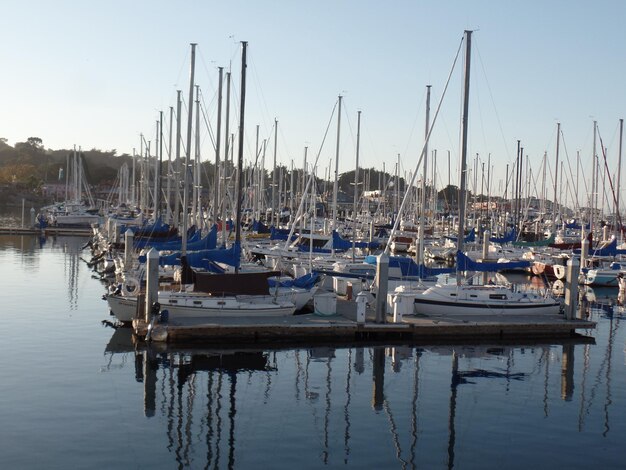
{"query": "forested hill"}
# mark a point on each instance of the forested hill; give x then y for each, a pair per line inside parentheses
(30, 164)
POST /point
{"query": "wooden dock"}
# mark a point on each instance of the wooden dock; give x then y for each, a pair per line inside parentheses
(48, 231)
(342, 328)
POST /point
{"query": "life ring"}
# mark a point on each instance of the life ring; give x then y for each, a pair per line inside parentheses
(130, 286)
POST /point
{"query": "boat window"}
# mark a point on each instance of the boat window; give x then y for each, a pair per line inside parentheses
(473, 295)
(453, 295)
(497, 296)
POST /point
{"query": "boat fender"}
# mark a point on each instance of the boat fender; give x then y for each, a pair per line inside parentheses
(130, 286)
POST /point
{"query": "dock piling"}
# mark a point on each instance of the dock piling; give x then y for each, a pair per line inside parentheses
(571, 288)
(382, 286)
(129, 238)
(152, 282)
(361, 307)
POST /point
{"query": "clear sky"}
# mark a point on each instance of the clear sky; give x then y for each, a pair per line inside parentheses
(96, 74)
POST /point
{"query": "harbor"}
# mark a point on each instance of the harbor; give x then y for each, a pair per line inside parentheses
(355, 239)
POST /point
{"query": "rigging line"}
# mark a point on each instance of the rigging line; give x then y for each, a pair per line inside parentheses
(257, 83)
(299, 213)
(207, 123)
(571, 175)
(418, 112)
(430, 130)
(504, 140)
(203, 62)
(608, 175)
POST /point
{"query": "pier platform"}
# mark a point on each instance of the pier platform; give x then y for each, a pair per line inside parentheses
(68, 231)
(343, 328)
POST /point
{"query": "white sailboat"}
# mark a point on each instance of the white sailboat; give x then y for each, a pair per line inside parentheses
(473, 299)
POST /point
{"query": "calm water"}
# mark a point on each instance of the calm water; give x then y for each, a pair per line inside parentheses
(76, 393)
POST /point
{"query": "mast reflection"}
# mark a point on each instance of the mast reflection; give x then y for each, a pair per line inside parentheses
(214, 401)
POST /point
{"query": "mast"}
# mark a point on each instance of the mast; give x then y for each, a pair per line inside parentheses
(618, 219)
(593, 179)
(336, 183)
(159, 165)
(244, 46)
(468, 54)
(275, 202)
(216, 184)
(188, 150)
(356, 182)
(196, 163)
(421, 233)
(169, 168)
(177, 172)
(556, 172)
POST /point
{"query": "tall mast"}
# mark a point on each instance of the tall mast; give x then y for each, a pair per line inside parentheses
(593, 179)
(356, 182)
(216, 183)
(275, 211)
(169, 168)
(421, 233)
(177, 172)
(244, 46)
(618, 219)
(159, 165)
(336, 183)
(188, 150)
(196, 164)
(556, 172)
(468, 54)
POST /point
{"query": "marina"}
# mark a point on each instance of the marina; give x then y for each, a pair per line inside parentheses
(240, 266)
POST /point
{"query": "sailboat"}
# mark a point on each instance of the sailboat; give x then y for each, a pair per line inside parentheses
(471, 299)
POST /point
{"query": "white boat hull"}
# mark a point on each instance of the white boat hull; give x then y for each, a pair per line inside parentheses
(482, 300)
(122, 307)
(199, 306)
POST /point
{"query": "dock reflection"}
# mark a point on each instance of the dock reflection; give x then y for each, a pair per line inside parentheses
(218, 403)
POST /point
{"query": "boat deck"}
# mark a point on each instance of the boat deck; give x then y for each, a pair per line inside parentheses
(342, 327)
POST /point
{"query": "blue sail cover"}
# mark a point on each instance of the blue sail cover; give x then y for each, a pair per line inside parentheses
(343, 244)
(465, 263)
(408, 267)
(260, 227)
(306, 281)
(510, 237)
(203, 258)
(194, 242)
(609, 249)
(280, 234)
(470, 237)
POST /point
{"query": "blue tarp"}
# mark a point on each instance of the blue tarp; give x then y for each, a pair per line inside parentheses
(471, 237)
(465, 263)
(203, 258)
(305, 282)
(280, 234)
(194, 242)
(408, 267)
(342, 244)
(609, 249)
(260, 227)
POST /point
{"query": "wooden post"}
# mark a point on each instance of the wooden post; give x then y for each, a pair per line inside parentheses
(571, 288)
(152, 281)
(382, 284)
(129, 238)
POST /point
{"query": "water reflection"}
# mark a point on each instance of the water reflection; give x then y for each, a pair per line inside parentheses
(206, 397)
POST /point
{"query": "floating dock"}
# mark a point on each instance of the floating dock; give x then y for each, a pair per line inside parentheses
(343, 328)
(67, 231)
